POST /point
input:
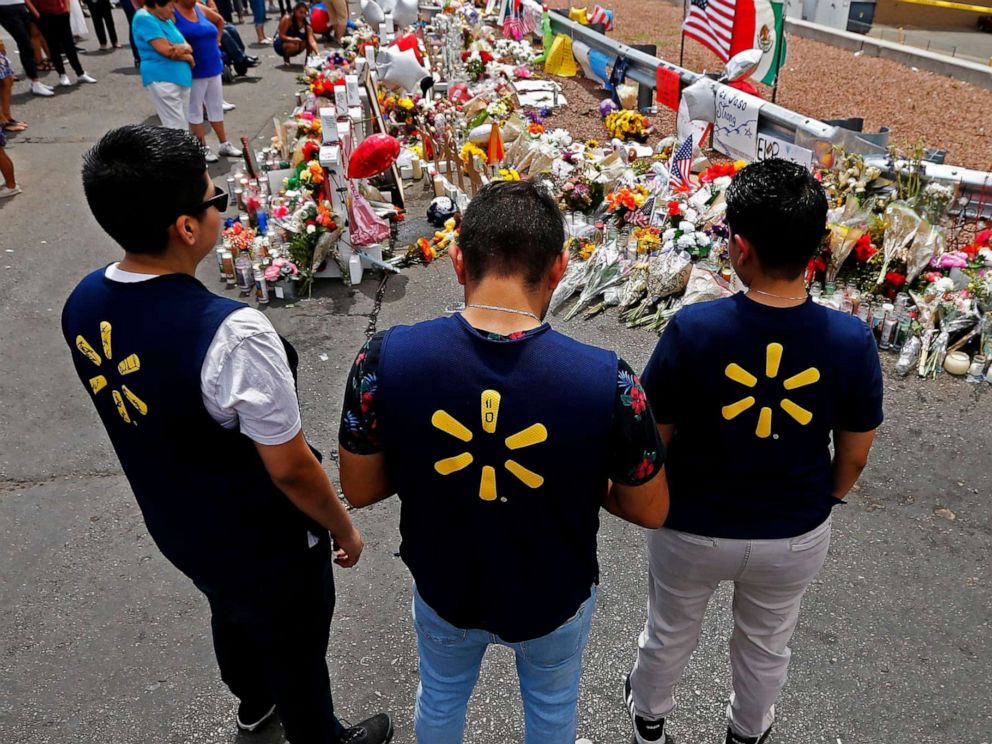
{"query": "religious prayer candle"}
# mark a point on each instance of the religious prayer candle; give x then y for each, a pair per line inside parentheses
(418, 169)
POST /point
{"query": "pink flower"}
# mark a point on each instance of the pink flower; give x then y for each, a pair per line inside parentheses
(950, 260)
(280, 211)
(279, 262)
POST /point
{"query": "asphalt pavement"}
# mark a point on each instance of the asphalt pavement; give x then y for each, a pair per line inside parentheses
(101, 640)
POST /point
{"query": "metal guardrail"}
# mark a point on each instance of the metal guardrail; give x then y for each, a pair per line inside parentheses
(974, 187)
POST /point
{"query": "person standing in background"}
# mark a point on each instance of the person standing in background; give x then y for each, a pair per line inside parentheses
(101, 13)
(259, 17)
(9, 187)
(202, 28)
(166, 62)
(129, 8)
(17, 19)
(53, 21)
(7, 121)
(752, 479)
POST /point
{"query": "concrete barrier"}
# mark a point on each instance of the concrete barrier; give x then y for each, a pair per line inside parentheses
(941, 64)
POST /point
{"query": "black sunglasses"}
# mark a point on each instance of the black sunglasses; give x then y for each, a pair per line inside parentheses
(220, 199)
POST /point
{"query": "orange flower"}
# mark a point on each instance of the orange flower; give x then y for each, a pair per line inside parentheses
(535, 128)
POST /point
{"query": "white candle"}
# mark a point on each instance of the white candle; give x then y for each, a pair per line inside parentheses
(418, 169)
(438, 186)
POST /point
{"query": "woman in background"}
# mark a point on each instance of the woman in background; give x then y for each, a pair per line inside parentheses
(166, 62)
(203, 28)
(102, 16)
(53, 22)
(294, 34)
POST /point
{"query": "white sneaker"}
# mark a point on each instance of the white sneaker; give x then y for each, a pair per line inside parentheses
(6, 193)
(210, 156)
(38, 88)
(64, 81)
(84, 78)
(228, 106)
(226, 148)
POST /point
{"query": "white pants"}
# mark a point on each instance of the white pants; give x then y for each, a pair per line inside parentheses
(770, 578)
(171, 103)
(206, 93)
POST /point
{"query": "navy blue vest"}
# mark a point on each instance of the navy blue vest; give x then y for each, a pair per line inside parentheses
(499, 453)
(206, 497)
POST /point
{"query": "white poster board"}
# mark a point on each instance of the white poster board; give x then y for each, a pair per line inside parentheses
(735, 125)
(685, 126)
(770, 146)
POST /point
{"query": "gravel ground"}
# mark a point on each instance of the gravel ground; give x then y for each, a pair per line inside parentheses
(818, 80)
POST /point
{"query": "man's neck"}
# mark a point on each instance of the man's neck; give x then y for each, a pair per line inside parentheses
(778, 292)
(163, 263)
(509, 294)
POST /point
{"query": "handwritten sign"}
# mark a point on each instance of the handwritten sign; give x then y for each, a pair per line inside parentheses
(668, 87)
(735, 126)
(770, 146)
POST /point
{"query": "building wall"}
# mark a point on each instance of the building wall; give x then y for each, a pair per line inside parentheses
(896, 13)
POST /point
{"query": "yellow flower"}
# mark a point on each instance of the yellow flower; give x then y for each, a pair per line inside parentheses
(406, 103)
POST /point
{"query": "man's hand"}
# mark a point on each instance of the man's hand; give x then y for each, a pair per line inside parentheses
(348, 548)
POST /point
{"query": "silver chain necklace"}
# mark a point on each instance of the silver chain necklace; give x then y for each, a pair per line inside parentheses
(499, 309)
(780, 297)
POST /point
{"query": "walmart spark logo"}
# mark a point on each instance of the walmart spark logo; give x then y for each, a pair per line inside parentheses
(127, 366)
(773, 359)
(535, 434)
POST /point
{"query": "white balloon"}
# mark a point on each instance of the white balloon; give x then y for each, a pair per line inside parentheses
(405, 13)
(480, 135)
(580, 51)
(372, 13)
(400, 68)
(387, 5)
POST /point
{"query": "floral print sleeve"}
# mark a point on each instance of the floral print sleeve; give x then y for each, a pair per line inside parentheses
(359, 432)
(636, 451)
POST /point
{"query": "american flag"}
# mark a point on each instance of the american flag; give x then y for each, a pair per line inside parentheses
(681, 165)
(711, 23)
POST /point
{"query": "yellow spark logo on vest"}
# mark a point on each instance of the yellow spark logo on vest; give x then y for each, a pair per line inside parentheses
(129, 365)
(530, 436)
(773, 358)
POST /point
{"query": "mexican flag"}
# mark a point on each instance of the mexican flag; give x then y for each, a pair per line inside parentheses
(769, 37)
(731, 26)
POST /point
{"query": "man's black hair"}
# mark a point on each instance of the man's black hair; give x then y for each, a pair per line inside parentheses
(157, 3)
(782, 210)
(512, 228)
(139, 179)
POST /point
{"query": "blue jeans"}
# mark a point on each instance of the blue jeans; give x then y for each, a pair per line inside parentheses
(549, 669)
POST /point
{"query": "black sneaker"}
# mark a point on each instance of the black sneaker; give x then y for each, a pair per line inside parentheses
(646, 730)
(375, 730)
(253, 715)
(733, 738)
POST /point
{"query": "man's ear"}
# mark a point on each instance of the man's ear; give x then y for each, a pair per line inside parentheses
(458, 262)
(185, 228)
(745, 251)
(558, 269)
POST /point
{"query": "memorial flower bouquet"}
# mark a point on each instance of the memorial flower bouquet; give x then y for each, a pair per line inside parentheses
(626, 124)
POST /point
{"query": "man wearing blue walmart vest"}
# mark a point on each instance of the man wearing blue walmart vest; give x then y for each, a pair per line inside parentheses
(503, 440)
(198, 396)
(767, 379)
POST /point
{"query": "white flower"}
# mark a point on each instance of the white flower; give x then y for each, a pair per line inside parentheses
(686, 240)
(687, 225)
(945, 285)
(668, 235)
(702, 238)
(722, 182)
(667, 246)
(690, 215)
(311, 229)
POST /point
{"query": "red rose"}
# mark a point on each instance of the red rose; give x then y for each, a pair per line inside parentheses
(486, 57)
(971, 250)
(895, 279)
(673, 209)
(863, 249)
(819, 264)
(983, 237)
